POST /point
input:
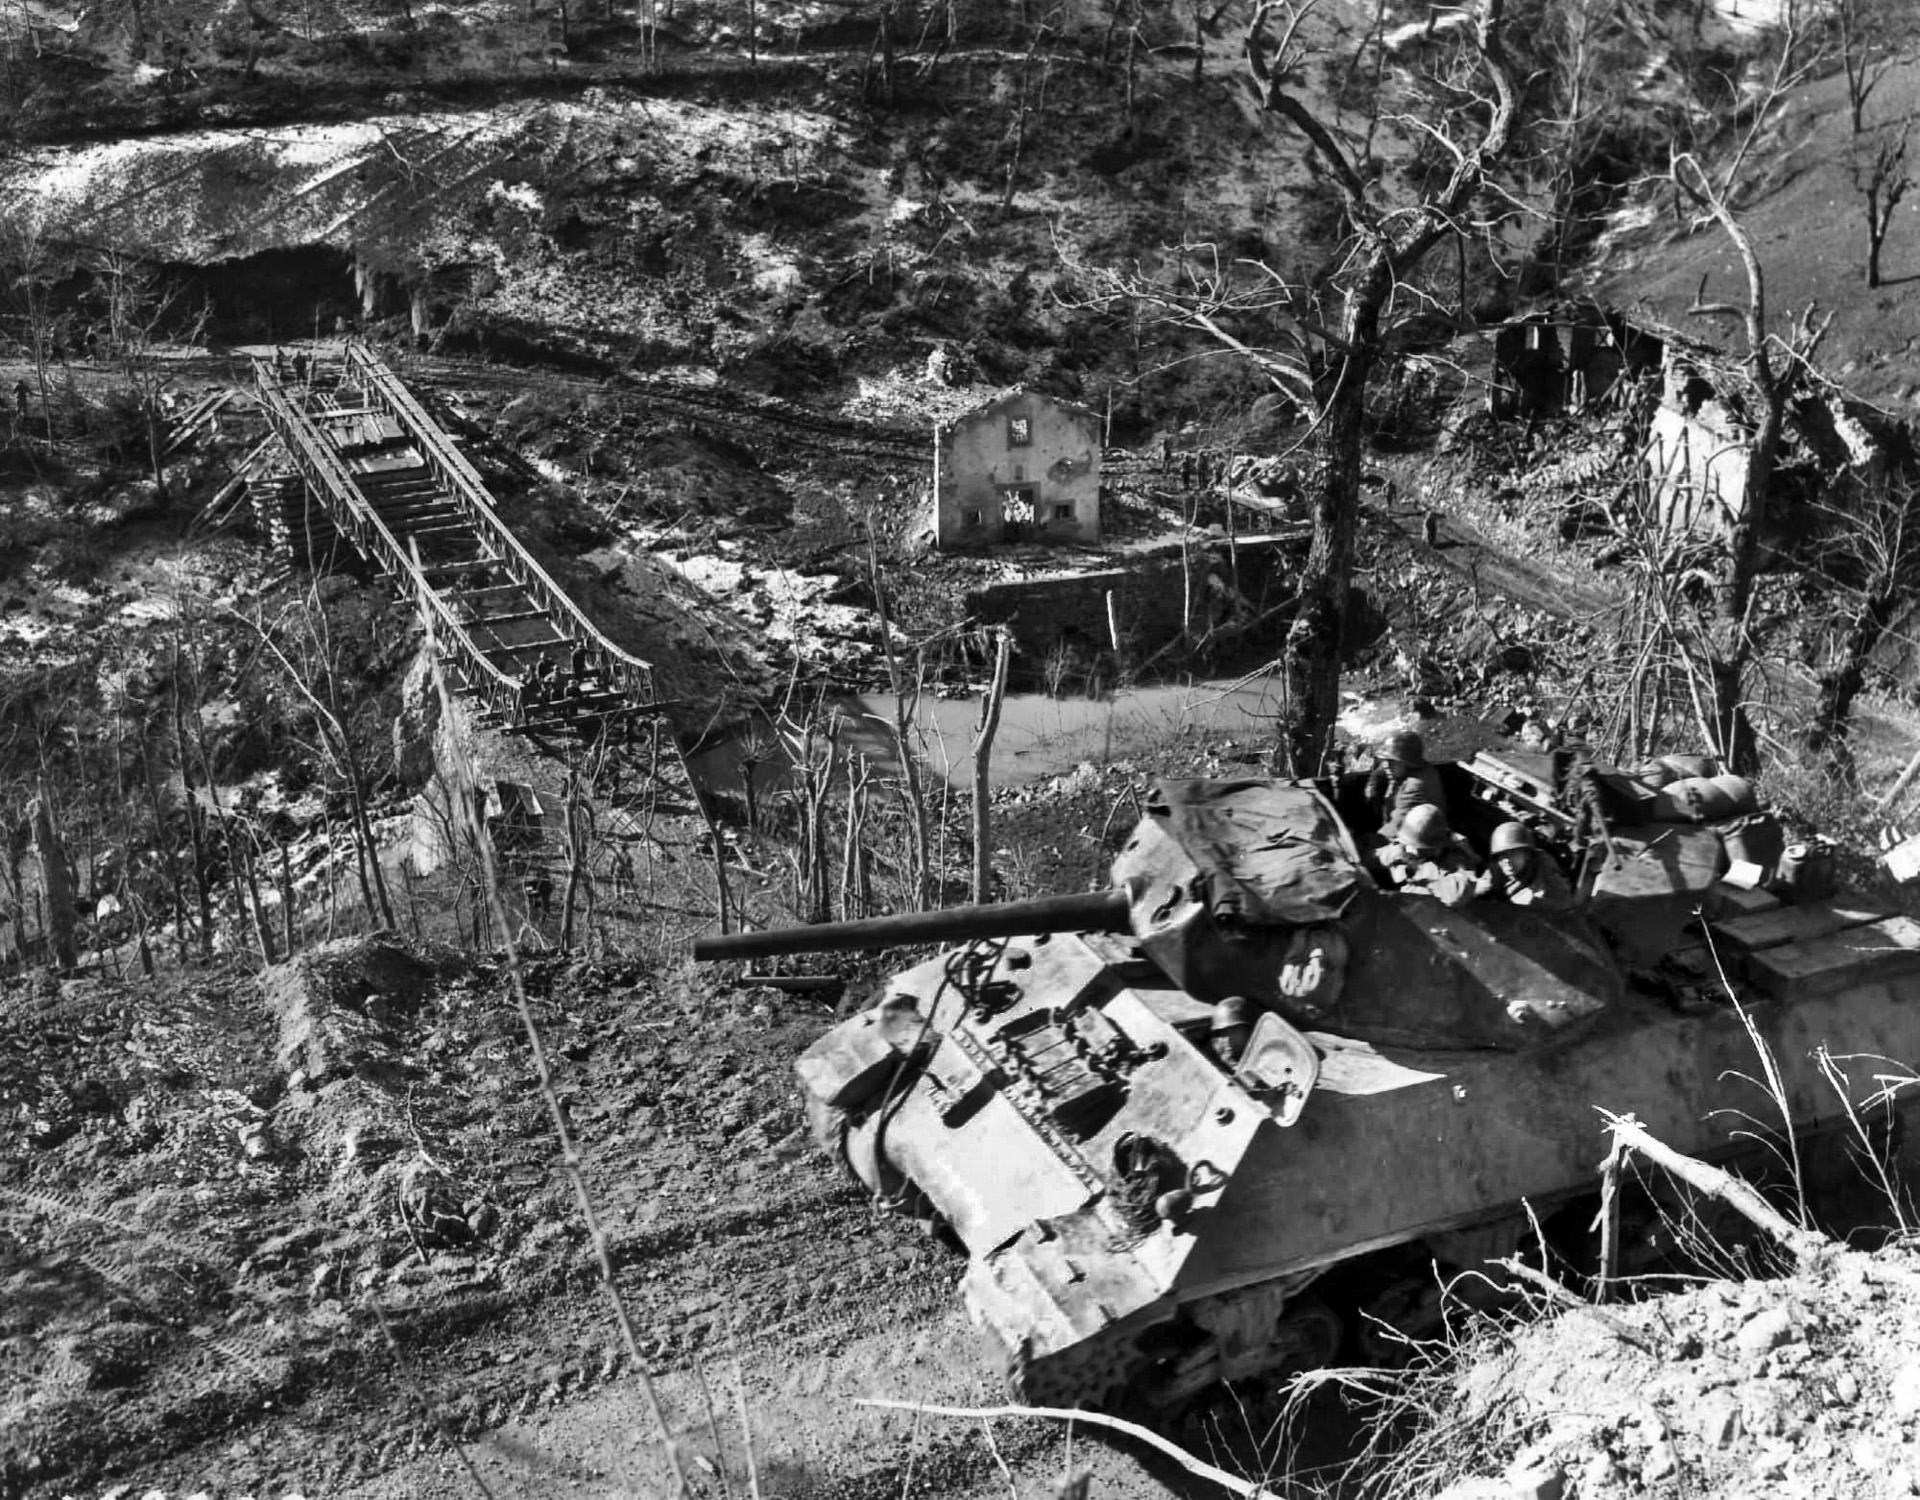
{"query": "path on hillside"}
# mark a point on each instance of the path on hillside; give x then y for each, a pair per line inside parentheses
(737, 1245)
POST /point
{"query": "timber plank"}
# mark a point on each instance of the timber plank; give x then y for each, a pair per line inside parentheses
(1790, 924)
(1727, 901)
(1800, 971)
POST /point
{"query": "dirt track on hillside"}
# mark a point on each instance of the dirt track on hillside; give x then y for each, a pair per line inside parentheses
(202, 1241)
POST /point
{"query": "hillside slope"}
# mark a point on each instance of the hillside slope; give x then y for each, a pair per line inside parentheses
(1800, 203)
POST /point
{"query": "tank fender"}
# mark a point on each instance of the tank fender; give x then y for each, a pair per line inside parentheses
(852, 1064)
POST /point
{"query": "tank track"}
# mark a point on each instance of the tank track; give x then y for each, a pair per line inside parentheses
(1118, 1371)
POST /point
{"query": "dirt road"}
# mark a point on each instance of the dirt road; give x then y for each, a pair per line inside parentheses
(224, 1189)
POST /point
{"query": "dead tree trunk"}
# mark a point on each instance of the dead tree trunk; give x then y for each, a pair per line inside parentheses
(983, 771)
(578, 872)
(905, 705)
(196, 830)
(1343, 337)
(1022, 111)
(1316, 641)
(1841, 683)
(286, 901)
(723, 908)
(168, 853)
(56, 881)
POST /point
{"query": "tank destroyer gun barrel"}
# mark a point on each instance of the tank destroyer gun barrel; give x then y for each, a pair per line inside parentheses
(1097, 911)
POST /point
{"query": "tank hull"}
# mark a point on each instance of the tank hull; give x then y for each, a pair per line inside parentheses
(1148, 1182)
(1394, 1146)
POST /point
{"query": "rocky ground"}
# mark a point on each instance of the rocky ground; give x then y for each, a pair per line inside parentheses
(1799, 1387)
(255, 1220)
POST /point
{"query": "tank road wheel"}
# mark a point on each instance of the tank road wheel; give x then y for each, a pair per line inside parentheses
(1307, 1337)
(1181, 1368)
(1396, 1319)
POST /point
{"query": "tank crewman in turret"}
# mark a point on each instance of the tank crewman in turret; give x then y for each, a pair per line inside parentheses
(1426, 859)
(1402, 780)
(1520, 874)
(1231, 1028)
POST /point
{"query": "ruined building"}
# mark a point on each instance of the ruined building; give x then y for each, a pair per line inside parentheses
(1022, 468)
(1688, 408)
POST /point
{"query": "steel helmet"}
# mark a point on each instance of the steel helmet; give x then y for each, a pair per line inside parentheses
(1232, 1013)
(1405, 747)
(1425, 828)
(1508, 837)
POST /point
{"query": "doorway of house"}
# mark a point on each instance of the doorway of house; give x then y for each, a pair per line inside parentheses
(1018, 504)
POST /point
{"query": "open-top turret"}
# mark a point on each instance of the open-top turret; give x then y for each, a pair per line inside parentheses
(1156, 1116)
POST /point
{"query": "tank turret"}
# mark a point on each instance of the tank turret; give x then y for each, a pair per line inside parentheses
(1260, 889)
(1166, 1120)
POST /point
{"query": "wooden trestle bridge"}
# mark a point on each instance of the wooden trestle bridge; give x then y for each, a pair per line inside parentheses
(353, 459)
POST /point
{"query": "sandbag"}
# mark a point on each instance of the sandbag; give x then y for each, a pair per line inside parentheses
(1693, 799)
(1739, 791)
(1667, 769)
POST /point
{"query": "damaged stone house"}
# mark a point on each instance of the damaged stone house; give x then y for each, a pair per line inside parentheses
(1021, 468)
(1689, 407)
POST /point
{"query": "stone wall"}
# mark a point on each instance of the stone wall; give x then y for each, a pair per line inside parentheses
(1233, 590)
(1697, 467)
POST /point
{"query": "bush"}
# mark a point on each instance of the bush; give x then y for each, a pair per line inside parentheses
(120, 427)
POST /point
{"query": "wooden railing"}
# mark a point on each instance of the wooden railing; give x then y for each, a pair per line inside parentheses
(619, 668)
(354, 516)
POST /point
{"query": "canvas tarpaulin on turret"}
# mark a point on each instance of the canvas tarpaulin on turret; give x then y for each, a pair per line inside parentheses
(1268, 852)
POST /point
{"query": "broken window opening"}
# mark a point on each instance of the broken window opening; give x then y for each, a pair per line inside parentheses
(1019, 432)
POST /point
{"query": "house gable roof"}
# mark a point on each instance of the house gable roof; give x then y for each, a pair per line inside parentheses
(1019, 395)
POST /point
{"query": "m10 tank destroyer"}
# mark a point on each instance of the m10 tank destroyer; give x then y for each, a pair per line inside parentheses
(1157, 1116)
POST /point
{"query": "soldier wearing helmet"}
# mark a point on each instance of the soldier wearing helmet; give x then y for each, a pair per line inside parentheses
(1402, 780)
(1426, 858)
(1230, 1028)
(1519, 873)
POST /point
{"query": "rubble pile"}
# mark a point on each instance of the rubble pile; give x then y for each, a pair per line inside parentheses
(1796, 1389)
(789, 613)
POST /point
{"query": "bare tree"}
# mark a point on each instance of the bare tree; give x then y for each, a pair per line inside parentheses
(1340, 321)
(906, 701)
(883, 49)
(1028, 102)
(983, 770)
(1868, 565)
(1865, 37)
(1882, 176)
(56, 881)
(179, 692)
(141, 311)
(31, 273)
(314, 681)
(1585, 50)
(580, 831)
(1775, 369)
